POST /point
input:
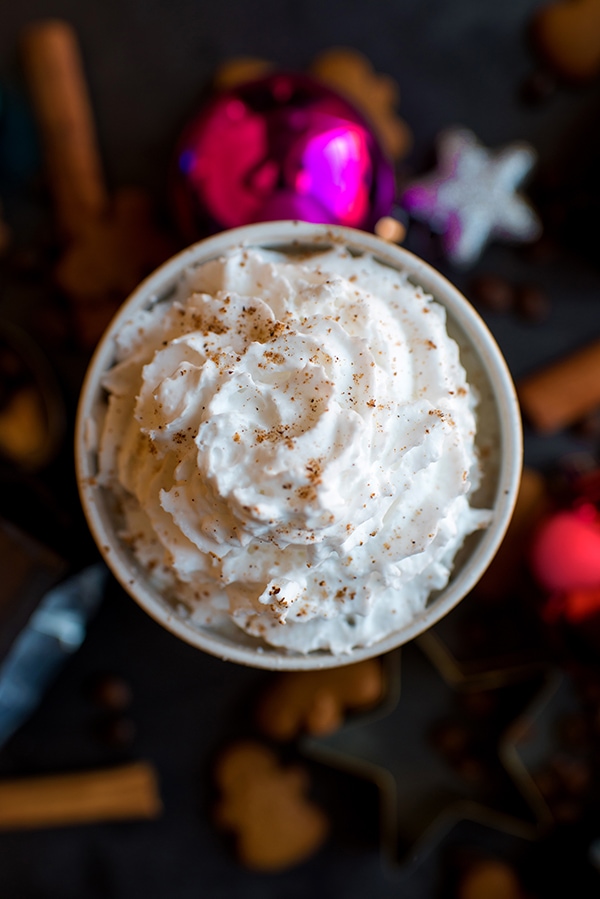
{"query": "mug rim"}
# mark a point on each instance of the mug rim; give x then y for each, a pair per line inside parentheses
(286, 234)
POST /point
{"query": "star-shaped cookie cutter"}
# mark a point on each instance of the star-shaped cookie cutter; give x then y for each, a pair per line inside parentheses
(533, 742)
(478, 647)
(421, 796)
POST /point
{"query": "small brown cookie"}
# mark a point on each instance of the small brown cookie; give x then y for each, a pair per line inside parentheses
(490, 879)
(567, 35)
(351, 74)
(316, 701)
(239, 70)
(264, 804)
(108, 259)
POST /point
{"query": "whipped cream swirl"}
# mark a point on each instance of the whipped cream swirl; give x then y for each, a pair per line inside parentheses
(291, 440)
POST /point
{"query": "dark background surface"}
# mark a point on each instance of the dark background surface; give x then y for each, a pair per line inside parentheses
(149, 64)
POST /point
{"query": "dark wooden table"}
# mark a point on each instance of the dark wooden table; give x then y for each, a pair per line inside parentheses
(149, 64)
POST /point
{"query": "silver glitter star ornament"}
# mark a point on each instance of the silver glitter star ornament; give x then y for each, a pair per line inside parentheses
(472, 197)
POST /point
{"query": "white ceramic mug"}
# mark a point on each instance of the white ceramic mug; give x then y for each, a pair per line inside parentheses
(498, 437)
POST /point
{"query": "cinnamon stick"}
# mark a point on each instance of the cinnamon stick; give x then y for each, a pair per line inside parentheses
(109, 242)
(564, 392)
(126, 791)
(54, 70)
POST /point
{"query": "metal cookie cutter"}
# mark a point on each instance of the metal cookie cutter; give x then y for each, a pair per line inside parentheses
(422, 793)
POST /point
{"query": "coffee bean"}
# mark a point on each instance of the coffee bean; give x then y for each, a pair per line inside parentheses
(533, 304)
(451, 739)
(566, 811)
(573, 731)
(471, 769)
(111, 692)
(548, 783)
(538, 87)
(589, 427)
(117, 731)
(479, 703)
(493, 293)
(574, 773)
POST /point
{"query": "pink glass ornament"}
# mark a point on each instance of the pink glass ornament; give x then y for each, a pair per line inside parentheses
(280, 147)
(565, 553)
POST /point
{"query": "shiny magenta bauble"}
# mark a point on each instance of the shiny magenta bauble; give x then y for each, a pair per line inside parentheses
(280, 147)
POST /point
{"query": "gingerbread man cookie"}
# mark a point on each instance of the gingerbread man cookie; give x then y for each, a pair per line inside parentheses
(315, 702)
(490, 879)
(567, 35)
(265, 806)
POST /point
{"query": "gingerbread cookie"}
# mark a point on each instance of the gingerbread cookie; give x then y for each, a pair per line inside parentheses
(108, 258)
(239, 70)
(351, 74)
(490, 879)
(315, 702)
(567, 35)
(264, 804)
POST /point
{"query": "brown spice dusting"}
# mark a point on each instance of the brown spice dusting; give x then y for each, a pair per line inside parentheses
(275, 358)
(277, 329)
(307, 492)
(315, 470)
(278, 433)
(216, 326)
